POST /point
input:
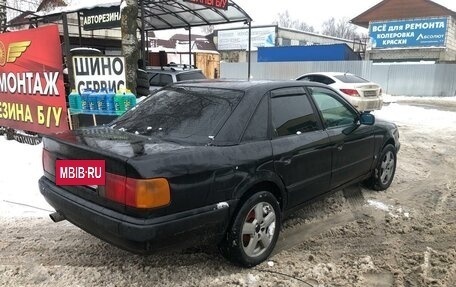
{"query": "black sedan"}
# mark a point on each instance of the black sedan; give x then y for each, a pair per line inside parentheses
(223, 161)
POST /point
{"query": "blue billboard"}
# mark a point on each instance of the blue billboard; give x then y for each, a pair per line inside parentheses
(408, 33)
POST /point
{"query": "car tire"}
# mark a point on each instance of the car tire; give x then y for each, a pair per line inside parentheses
(253, 234)
(383, 174)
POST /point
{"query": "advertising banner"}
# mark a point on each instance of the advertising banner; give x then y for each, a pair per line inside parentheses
(98, 73)
(408, 33)
(32, 93)
(238, 39)
(219, 4)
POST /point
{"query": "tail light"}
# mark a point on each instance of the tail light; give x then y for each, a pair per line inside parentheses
(48, 162)
(350, 92)
(139, 193)
(147, 193)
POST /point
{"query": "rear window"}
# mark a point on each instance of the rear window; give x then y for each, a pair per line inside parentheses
(196, 75)
(157, 79)
(181, 113)
(292, 115)
(350, 79)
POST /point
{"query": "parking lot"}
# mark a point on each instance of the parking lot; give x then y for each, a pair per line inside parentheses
(405, 236)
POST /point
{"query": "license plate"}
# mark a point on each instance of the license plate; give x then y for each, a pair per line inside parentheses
(80, 172)
(370, 93)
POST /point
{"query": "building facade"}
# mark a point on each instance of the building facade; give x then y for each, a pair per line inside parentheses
(232, 44)
(409, 30)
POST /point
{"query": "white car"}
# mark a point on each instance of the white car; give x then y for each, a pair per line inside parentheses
(364, 95)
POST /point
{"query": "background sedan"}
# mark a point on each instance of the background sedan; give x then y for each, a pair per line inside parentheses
(361, 93)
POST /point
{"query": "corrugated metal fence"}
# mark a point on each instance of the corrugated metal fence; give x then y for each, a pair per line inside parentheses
(432, 80)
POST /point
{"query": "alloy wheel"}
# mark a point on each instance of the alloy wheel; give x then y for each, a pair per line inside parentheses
(258, 229)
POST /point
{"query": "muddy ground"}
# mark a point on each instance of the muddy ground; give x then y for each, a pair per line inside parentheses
(405, 236)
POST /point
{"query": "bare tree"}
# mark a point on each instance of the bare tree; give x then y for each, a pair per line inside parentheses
(208, 29)
(303, 26)
(2, 15)
(340, 28)
(130, 49)
(29, 5)
(284, 20)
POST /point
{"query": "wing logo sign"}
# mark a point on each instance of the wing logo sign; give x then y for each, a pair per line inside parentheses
(13, 52)
(32, 91)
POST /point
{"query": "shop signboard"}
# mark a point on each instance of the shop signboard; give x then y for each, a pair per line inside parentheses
(32, 92)
(219, 4)
(238, 39)
(101, 18)
(414, 33)
(98, 73)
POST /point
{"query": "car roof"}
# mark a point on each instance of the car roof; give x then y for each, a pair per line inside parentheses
(249, 87)
(254, 92)
(170, 70)
(328, 74)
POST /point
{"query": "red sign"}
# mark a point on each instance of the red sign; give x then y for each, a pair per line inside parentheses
(80, 172)
(219, 4)
(32, 92)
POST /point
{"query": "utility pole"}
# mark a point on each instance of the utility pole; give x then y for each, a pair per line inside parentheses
(2, 16)
(130, 47)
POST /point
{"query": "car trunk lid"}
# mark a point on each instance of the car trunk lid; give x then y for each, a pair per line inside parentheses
(113, 146)
(368, 90)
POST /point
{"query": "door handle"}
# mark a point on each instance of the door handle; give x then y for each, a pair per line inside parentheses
(340, 147)
(285, 160)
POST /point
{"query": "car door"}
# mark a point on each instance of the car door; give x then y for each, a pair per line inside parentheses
(301, 148)
(352, 148)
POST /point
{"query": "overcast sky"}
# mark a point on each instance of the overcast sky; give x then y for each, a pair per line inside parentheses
(312, 12)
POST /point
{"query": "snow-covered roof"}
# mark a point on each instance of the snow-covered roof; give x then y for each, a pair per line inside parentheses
(176, 50)
(168, 14)
(79, 6)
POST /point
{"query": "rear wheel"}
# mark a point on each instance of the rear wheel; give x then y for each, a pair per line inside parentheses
(383, 175)
(254, 231)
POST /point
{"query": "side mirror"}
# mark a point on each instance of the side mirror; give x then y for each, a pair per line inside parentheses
(367, 119)
(364, 119)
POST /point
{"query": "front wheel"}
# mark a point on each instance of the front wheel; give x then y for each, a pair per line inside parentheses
(383, 175)
(254, 231)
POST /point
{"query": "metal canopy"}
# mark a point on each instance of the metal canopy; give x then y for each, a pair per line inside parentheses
(173, 14)
(162, 15)
(167, 14)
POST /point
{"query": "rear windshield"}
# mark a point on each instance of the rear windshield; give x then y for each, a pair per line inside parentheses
(180, 113)
(158, 79)
(197, 75)
(350, 79)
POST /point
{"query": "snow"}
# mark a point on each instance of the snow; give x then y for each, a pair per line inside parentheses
(391, 210)
(20, 170)
(221, 205)
(378, 205)
(79, 5)
(426, 117)
(21, 163)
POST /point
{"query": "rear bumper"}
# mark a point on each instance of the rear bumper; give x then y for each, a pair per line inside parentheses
(138, 235)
